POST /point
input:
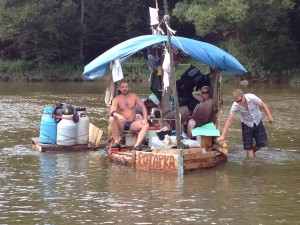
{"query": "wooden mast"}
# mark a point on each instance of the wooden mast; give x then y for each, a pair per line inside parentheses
(173, 79)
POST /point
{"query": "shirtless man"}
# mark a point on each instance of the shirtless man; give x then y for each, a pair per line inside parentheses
(203, 112)
(122, 116)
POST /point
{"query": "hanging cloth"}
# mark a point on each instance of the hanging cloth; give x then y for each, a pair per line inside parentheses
(153, 16)
(109, 93)
(155, 84)
(116, 69)
(167, 70)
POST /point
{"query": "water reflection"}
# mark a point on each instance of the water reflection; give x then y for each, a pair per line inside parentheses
(83, 188)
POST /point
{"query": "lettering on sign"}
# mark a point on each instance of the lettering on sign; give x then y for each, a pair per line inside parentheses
(156, 161)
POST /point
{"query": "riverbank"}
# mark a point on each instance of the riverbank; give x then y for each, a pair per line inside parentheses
(134, 70)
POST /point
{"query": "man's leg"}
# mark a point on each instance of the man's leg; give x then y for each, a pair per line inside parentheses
(260, 136)
(114, 127)
(250, 153)
(248, 133)
(142, 129)
(190, 126)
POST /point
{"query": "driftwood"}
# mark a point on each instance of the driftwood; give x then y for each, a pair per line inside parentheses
(221, 149)
(221, 143)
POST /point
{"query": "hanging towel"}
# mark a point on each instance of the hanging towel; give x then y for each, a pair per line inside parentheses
(167, 70)
(116, 69)
(109, 93)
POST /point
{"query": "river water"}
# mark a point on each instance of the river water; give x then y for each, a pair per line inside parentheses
(83, 188)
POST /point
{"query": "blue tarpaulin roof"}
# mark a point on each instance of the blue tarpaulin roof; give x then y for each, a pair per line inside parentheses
(205, 53)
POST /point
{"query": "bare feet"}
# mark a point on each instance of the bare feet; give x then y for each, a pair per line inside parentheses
(250, 153)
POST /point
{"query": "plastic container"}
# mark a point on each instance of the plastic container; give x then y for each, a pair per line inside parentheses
(66, 131)
(82, 127)
(48, 127)
(152, 133)
(130, 138)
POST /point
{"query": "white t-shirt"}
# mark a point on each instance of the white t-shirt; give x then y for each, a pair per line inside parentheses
(252, 114)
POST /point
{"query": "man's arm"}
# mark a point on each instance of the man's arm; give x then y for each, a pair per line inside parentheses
(143, 107)
(226, 127)
(113, 110)
(268, 112)
(198, 95)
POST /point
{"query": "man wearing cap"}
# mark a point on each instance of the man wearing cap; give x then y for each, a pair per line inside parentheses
(247, 105)
(123, 116)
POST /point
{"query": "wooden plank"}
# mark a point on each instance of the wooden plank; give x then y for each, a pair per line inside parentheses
(165, 151)
(199, 165)
(133, 154)
(36, 145)
(192, 150)
(198, 155)
(95, 135)
(156, 161)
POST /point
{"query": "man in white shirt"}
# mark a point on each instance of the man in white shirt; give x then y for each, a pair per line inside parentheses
(252, 126)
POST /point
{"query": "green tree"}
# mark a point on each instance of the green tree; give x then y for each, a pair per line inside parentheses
(40, 32)
(257, 32)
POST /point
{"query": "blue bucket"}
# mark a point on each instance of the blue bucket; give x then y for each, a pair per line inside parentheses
(48, 128)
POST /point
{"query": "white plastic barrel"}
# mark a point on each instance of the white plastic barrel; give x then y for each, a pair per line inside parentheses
(82, 127)
(66, 131)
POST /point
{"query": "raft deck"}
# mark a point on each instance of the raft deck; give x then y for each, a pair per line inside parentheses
(38, 146)
(95, 135)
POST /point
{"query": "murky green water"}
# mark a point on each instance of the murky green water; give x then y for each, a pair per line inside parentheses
(83, 188)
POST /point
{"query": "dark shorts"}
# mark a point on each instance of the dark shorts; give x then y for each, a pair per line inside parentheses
(256, 132)
(127, 126)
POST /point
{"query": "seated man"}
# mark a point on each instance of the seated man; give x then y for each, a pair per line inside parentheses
(169, 117)
(203, 113)
(185, 112)
(123, 114)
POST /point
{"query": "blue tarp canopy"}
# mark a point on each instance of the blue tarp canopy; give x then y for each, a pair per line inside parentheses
(205, 53)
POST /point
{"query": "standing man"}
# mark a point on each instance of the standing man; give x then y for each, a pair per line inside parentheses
(252, 126)
(123, 114)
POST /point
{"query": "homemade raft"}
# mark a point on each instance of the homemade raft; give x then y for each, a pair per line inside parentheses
(93, 144)
(169, 160)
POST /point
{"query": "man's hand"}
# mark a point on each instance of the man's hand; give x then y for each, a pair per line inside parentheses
(221, 138)
(144, 122)
(271, 120)
(120, 117)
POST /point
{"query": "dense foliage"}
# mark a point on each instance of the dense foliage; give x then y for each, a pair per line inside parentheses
(40, 34)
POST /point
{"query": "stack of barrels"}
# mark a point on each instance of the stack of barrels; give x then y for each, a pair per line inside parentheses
(65, 131)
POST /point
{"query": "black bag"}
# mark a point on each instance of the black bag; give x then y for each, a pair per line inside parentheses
(188, 80)
(64, 109)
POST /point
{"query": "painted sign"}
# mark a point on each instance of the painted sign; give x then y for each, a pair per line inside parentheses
(156, 161)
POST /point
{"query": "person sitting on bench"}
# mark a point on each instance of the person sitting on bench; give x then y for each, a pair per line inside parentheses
(123, 116)
(203, 112)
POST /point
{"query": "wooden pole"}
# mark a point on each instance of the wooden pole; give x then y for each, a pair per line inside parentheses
(173, 79)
